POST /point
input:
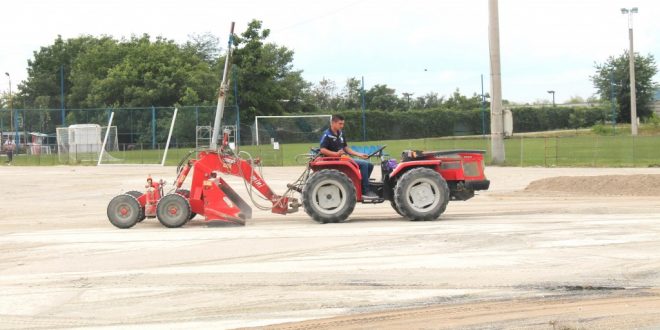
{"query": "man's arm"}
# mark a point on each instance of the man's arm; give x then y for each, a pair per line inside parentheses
(355, 153)
(329, 153)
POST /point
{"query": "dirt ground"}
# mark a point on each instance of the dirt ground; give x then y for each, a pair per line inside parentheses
(509, 258)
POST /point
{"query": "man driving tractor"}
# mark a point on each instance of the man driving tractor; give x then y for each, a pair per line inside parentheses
(333, 144)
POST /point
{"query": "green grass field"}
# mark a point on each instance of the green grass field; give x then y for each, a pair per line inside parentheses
(585, 151)
(555, 149)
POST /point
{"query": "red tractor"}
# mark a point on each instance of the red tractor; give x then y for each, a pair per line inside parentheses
(418, 188)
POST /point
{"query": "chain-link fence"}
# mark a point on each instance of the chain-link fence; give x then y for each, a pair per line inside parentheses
(521, 150)
(141, 137)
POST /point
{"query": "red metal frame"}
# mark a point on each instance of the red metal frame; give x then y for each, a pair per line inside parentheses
(150, 198)
(439, 164)
(212, 197)
(444, 167)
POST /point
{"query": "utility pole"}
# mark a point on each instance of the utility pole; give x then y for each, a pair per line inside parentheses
(612, 101)
(496, 120)
(631, 57)
(483, 109)
(12, 126)
(364, 117)
(62, 96)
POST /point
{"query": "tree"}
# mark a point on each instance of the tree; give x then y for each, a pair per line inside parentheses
(457, 101)
(324, 92)
(42, 89)
(428, 101)
(576, 99)
(382, 97)
(352, 94)
(267, 82)
(615, 72)
(44, 70)
(205, 45)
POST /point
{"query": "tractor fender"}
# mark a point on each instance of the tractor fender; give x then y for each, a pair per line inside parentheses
(342, 164)
(405, 166)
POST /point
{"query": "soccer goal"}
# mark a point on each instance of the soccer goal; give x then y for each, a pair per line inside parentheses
(127, 154)
(81, 143)
(278, 130)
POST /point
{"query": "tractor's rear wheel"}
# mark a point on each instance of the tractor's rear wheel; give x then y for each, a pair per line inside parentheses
(329, 196)
(137, 195)
(124, 211)
(421, 194)
(173, 210)
(186, 193)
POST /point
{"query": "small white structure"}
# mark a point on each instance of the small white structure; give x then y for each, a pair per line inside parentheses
(508, 122)
(85, 138)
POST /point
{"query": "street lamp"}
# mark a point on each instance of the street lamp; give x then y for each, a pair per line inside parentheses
(631, 59)
(553, 97)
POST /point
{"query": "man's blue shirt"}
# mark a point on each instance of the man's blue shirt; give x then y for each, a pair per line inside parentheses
(333, 142)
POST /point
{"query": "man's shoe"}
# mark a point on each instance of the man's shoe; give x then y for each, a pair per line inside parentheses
(369, 194)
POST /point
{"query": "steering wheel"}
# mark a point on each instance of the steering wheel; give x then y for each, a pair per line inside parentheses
(376, 152)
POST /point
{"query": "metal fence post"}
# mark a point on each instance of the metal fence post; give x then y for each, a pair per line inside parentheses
(545, 151)
(153, 127)
(556, 150)
(521, 151)
(633, 150)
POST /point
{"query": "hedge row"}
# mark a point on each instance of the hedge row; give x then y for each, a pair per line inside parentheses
(382, 125)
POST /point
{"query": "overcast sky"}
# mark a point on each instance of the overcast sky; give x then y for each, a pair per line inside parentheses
(416, 46)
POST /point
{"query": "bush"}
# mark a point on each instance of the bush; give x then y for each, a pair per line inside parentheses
(601, 129)
(390, 125)
(530, 119)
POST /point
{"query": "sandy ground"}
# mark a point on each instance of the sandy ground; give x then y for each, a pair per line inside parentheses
(508, 258)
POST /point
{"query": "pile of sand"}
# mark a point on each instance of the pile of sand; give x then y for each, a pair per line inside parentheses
(602, 185)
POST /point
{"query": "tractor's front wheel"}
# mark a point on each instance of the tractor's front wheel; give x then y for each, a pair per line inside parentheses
(329, 196)
(173, 210)
(124, 211)
(421, 194)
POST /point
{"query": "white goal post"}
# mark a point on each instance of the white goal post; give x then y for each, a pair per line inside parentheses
(105, 139)
(256, 121)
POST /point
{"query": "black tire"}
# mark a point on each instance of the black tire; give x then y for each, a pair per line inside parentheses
(396, 208)
(173, 210)
(421, 194)
(134, 193)
(124, 211)
(329, 196)
(186, 193)
(137, 195)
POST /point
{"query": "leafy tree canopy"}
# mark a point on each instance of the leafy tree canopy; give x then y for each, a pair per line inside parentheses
(614, 76)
